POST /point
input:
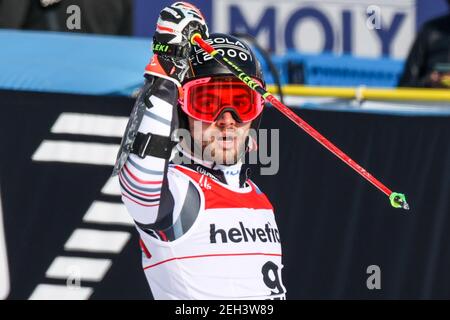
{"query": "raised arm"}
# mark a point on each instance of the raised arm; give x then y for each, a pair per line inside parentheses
(143, 173)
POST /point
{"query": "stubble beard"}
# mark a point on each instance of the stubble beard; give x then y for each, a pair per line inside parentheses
(212, 149)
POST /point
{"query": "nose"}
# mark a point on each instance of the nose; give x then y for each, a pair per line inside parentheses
(225, 120)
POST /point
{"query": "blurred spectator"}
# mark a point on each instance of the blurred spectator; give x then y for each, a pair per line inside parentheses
(97, 16)
(428, 63)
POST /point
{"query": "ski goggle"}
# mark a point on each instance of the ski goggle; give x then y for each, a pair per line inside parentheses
(207, 98)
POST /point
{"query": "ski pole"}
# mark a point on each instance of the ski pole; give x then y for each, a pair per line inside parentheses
(397, 200)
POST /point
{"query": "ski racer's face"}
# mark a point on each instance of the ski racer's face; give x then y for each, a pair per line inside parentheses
(221, 141)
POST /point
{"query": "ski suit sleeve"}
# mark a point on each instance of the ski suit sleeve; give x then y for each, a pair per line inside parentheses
(143, 181)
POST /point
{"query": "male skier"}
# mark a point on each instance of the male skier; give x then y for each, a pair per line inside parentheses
(206, 230)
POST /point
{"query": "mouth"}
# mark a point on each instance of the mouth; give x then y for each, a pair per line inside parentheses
(226, 141)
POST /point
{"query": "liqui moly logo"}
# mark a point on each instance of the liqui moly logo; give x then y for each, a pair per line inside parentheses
(370, 28)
